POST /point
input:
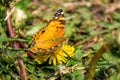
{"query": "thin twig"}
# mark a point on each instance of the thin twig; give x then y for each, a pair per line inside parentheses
(22, 69)
(10, 29)
(16, 46)
(28, 52)
(12, 34)
(93, 63)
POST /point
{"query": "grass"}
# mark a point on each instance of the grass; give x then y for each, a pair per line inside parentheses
(92, 27)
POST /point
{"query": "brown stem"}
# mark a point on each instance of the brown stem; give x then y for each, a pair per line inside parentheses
(10, 29)
(15, 45)
(22, 69)
(28, 52)
(11, 34)
(93, 63)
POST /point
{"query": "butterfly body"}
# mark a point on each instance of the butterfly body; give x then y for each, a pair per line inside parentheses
(51, 35)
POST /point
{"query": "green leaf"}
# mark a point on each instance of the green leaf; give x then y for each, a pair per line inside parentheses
(78, 75)
(8, 77)
(3, 36)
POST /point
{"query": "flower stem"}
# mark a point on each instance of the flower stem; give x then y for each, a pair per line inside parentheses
(10, 29)
(22, 44)
(12, 34)
(22, 69)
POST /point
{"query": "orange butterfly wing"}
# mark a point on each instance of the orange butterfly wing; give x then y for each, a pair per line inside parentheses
(51, 35)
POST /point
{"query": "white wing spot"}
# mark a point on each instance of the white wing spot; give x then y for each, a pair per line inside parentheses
(62, 12)
(56, 17)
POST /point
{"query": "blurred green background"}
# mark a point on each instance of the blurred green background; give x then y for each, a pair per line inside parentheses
(92, 27)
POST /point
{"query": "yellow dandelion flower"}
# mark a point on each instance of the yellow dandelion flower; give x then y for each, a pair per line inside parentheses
(56, 56)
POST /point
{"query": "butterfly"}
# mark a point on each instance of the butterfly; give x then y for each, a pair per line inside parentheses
(51, 35)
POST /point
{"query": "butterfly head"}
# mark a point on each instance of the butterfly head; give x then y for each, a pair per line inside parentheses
(59, 14)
